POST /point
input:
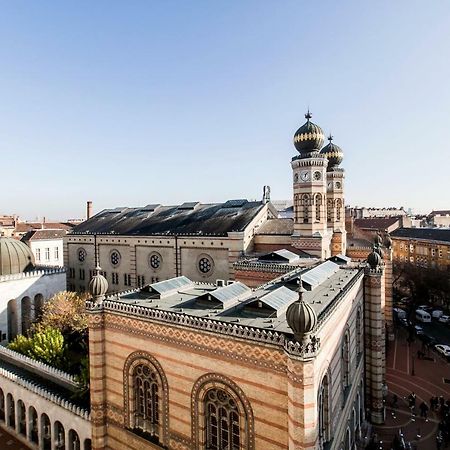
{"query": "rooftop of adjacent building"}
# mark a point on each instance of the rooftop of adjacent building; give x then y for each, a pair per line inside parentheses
(24, 227)
(263, 307)
(376, 223)
(442, 212)
(190, 218)
(45, 234)
(424, 234)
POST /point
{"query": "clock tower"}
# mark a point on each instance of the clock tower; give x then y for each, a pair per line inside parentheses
(309, 168)
(335, 206)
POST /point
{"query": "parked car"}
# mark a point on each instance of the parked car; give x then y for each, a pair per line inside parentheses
(437, 313)
(422, 316)
(418, 329)
(426, 308)
(443, 349)
(444, 319)
(428, 340)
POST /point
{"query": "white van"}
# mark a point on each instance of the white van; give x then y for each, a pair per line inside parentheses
(422, 316)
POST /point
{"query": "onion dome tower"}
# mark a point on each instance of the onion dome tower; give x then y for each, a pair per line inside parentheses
(388, 241)
(333, 153)
(309, 137)
(310, 188)
(378, 240)
(300, 316)
(98, 286)
(15, 257)
(374, 259)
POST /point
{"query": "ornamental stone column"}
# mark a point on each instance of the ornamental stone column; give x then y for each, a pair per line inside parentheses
(374, 327)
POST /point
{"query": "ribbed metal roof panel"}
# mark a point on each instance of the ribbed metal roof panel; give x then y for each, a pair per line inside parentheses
(320, 273)
(231, 293)
(279, 299)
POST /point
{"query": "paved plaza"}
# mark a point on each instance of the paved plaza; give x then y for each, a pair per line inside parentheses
(405, 374)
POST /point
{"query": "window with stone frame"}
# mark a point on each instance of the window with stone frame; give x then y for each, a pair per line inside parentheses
(146, 401)
(324, 412)
(345, 360)
(318, 207)
(223, 415)
(358, 330)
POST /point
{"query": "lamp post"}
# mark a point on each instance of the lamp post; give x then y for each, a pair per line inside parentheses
(412, 367)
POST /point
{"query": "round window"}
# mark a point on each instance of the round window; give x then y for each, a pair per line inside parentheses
(205, 264)
(82, 254)
(154, 260)
(115, 258)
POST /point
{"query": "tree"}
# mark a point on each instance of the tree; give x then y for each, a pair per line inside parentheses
(66, 311)
(45, 345)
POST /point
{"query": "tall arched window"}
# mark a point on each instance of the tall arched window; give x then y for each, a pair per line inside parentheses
(338, 209)
(11, 411)
(329, 209)
(12, 319)
(74, 440)
(46, 431)
(2, 406)
(60, 436)
(33, 424)
(358, 333)
(22, 416)
(223, 418)
(305, 203)
(318, 207)
(38, 305)
(25, 305)
(323, 412)
(345, 368)
(146, 397)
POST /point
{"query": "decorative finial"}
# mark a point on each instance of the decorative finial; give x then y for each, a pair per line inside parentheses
(330, 137)
(308, 115)
(300, 288)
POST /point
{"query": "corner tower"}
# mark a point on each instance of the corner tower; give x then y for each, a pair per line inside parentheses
(310, 191)
(335, 197)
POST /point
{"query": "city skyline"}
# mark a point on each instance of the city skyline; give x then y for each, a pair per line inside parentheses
(152, 103)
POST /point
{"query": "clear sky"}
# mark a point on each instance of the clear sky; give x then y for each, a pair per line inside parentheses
(135, 102)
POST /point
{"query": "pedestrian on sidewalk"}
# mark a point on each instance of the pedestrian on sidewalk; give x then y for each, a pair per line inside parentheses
(423, 410)
(395, 401)
(412, 401)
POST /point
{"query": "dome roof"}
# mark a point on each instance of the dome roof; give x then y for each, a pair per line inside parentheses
(309, 137)
(333, 153)
(98, 286)
(301, 317)
(15, 257)
(374, 260)
(378, 240)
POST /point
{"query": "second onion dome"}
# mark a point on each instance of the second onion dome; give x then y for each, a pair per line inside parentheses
(374, 259)
(333, 153)
(309, 137)
(98, 286)
(300, 316)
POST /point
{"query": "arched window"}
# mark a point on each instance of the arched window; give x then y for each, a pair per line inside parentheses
(318, 207)
(146, 397)
(87, 444)
(60, 436)
(11, 411)
(222, 421)
(358, 333)
(338, 209)
(2, 406)
(46, 431)
(33, 424)
(74, 440)
(347, 445)
(38, 305)
(329, 209)
(345, 360)
(223, 418)
(323, 412)
(22, 417)
(12, 319)
(25, 305)
(305, 203)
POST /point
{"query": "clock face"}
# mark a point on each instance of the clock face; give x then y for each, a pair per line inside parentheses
(338, 185)
(329, 185)
(317, 175)
(296, 178)
(304, 176)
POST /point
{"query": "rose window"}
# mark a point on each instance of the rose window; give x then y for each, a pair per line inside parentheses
(81, 255)
(115, 258)
(204, 265)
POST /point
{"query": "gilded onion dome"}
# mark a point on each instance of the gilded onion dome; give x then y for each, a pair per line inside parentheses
(301, 317)
(98, 286)
(309, 137)
(333, 153)
(374, 259)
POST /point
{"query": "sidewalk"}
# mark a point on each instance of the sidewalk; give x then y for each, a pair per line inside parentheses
(405, 374)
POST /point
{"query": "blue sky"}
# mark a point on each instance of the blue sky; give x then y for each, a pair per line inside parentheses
(130, 103)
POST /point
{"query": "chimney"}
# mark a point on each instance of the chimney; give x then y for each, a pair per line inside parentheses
(88, 210)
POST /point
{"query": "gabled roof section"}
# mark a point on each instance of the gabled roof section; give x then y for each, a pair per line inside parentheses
(229, 295)
(277, 300)
(317, 275)
(187, 219)
(426, 234)
(283, 255)
(340, 259)
(172, 286)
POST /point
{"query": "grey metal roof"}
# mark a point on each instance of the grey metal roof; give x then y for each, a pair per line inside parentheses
(173, 285)
(340, 259)
(231, 294)
(187, 219)
(279, 299)
(317, 275)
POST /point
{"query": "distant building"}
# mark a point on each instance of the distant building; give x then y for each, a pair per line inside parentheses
(24, 287)
(366, 213)
(422, 247)
(440, 219)
(22, 228)
(7, 225)
(47, 246)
